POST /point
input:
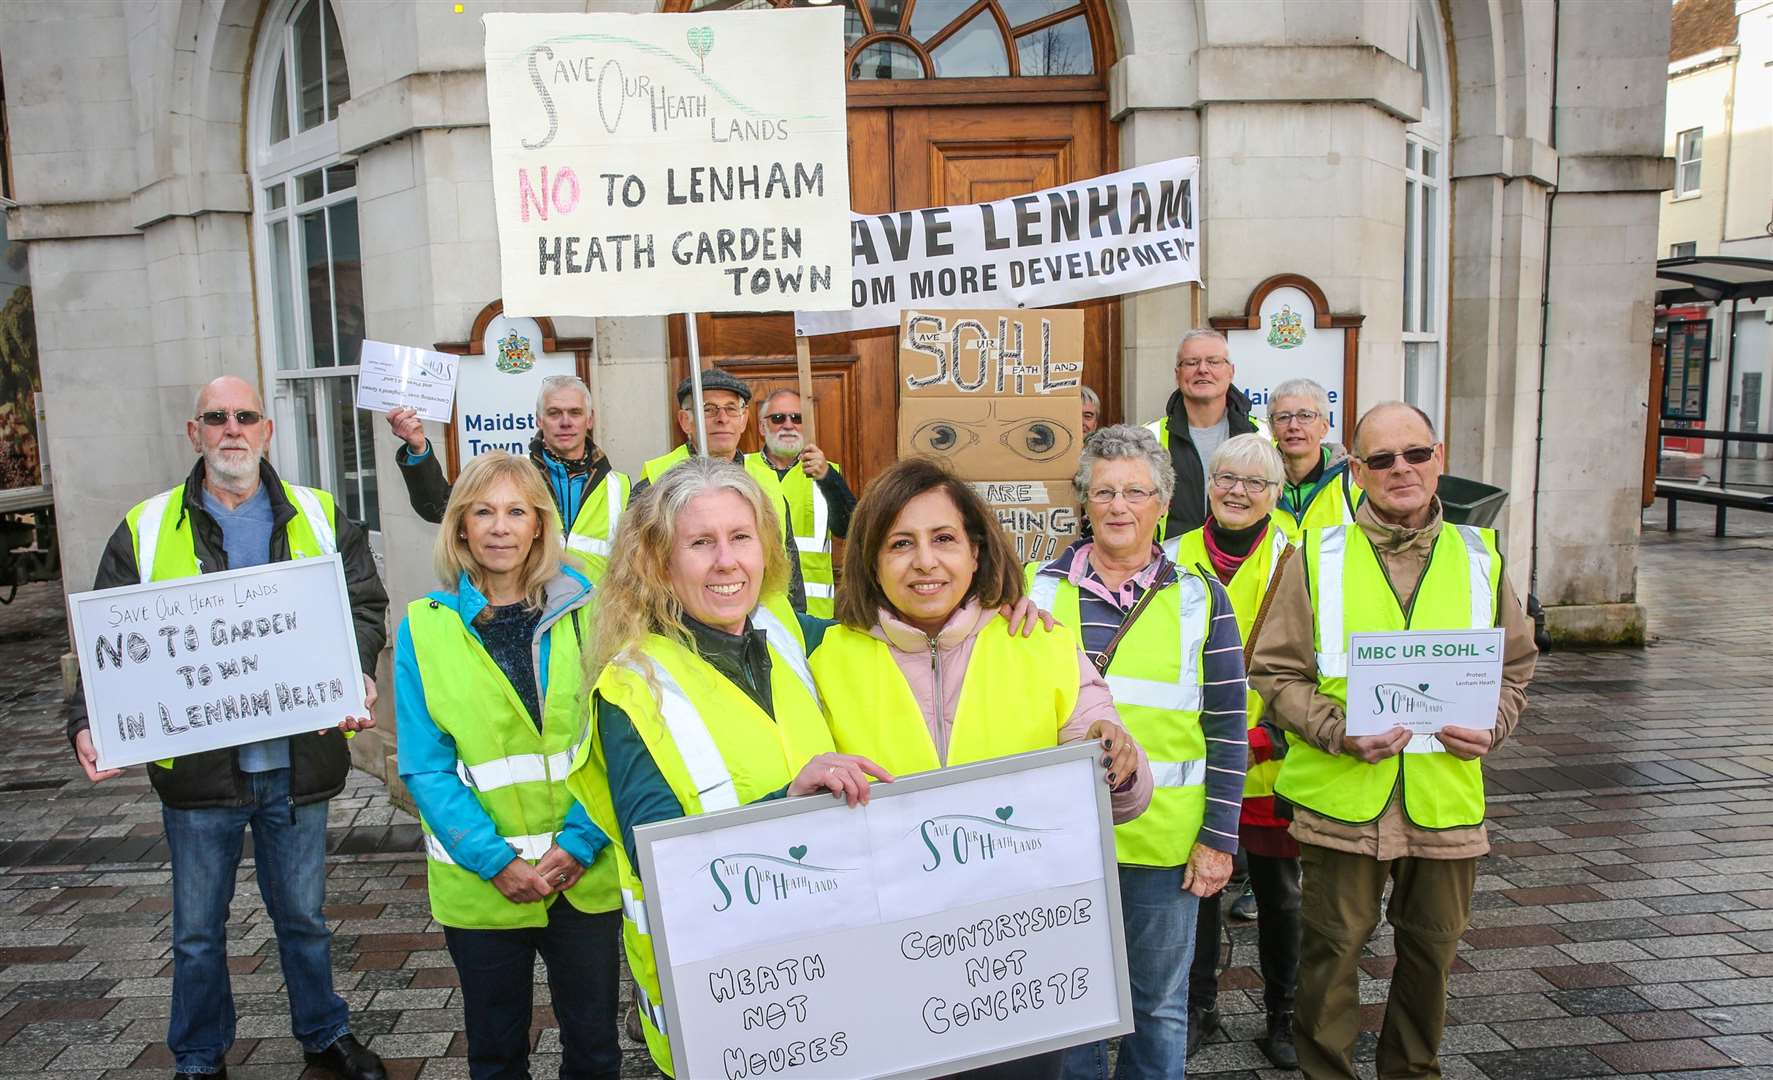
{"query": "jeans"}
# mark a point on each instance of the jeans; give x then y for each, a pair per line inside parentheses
(1159, 919)
(289, 852)
(1276, 885)
(498, 981)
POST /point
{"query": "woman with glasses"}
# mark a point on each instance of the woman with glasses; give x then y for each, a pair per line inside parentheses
(1319, 488)
(1164, 637)
(1243, 546)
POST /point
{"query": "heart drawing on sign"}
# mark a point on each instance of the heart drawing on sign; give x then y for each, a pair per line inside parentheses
(1004, 812)
(798, 851)
(1422, 686)
(701, 42)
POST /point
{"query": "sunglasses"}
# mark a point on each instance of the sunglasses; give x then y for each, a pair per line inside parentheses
(782, 417)
(219, 417)
(1385, 459)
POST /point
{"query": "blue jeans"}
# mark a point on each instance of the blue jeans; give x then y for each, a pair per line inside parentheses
(1159, 919)
(289, 850)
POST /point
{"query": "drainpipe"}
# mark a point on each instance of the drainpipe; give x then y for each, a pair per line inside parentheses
(1533, 606)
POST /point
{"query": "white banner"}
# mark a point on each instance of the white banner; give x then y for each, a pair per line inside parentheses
(658, 164)
(200, 663)
(403, 376)
(1120, 233)
(961, 918)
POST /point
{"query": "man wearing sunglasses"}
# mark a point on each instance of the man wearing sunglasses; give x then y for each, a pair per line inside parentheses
(819, 500)
(1365, 813)
(1320, 490)
(1205, 410)
(234, 511)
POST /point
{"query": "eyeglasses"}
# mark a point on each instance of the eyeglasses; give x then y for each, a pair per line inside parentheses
(1211, 363)
(1304, 416)
(731, 412)
(1135, 496)
(782, 417)
(1385, 459)
(219, 417)
(1254, 485)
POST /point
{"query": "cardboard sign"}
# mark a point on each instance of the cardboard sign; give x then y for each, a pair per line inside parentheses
(404, 377)
(1042, 517)
(496, 406)
(1107, 236)
(223, 659)
(657, 164)
(963, 917)
(1424, 680)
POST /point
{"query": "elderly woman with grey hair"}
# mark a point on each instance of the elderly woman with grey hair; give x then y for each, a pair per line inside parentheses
(1166, 639)
(1244, 544)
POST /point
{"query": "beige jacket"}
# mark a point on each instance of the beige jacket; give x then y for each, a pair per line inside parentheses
(1284, 672)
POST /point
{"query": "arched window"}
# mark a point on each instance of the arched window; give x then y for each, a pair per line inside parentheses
(1425, 220)
(945, 39)
(310, 277)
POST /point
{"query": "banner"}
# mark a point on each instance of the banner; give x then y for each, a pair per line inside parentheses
(962, 917)
(659, 164)
(1119, 233)
(216, 660)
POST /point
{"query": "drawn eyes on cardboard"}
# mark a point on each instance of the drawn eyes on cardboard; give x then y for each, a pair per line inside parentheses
(944, 437)
(1035, 439)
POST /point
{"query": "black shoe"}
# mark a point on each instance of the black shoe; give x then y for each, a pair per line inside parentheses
(1277, 1045)
(1201, 1023)
(349, 1059)
(1243, 909)
(219, 1074)
(631, 1024)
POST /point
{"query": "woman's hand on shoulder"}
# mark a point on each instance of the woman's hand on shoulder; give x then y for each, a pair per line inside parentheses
(1119, 752)
(844, 775)
(521, 883)
(1024, 615)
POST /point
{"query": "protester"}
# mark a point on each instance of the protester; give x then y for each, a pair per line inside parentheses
(234, 511)
(819, 500)
(1243, 546)
(1204, 410)
(587, 493)
(487, 673)
(1365, 813)
(1092, 411)
(1320, 490)
(694, 635)
(1165, 638)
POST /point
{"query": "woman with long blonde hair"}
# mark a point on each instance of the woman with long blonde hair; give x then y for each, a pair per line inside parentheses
(488, 697)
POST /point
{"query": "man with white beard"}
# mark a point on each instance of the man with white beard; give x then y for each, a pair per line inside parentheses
(819, 501)
(234, 511)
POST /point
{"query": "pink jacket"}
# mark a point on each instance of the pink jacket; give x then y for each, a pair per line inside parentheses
(954, 647)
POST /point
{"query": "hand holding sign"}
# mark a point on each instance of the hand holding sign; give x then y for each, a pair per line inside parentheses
(844, 775)
(402, 377)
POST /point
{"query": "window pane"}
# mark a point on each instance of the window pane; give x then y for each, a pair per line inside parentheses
(930, 16)
(1410, 268)
(1689, 181)
(353, 480)
(1063, 49)
(887, 13)
(338, 85)
(317, 290)
(1427, 322)
(341, 177)
(309, 186)
(310, 99)
(887, 60)
(297, 430)
(852, 23)
(974, 50)
(1023, 12)
(1422, 378)
(282, 297)
(1410, 156)
(274, 196)
(1429, 162)
(347, 281)
(280, 106)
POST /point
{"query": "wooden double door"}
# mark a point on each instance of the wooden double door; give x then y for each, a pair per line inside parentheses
(906, 158)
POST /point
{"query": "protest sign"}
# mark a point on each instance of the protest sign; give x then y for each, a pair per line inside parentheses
(404, 377)
(997, 395)
(200, 663)
(961, 918)
(658, 164)
(1115, 234)
(497, 388)
(1423, 680)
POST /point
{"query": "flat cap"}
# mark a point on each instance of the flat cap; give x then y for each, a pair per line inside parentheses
(714, 379)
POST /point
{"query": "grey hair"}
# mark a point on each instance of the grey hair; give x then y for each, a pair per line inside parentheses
(1091, 397)
(1249, 454)
(560, 382)
(773, 395)
(1302, 388)
(1126, 442)
(1200, 332)
(1354, 440)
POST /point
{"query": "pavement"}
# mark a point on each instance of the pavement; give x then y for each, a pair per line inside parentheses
(1622, 926)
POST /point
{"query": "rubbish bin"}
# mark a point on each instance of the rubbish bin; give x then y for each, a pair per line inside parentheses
(1467, 502)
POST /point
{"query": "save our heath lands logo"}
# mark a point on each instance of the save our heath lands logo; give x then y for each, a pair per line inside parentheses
(962, 839)
(755, 878)
(1399, 699)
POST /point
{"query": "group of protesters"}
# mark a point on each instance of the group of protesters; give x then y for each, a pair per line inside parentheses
(601, 654)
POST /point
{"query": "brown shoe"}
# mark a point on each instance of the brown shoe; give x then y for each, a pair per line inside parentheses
(631, 1024)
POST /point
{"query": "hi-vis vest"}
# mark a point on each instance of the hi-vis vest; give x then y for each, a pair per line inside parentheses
(1156, 680)
(165, 547)
(716, 750)
(755, 464)
(593, 532)
(809, 518)
(1333, 504)
(662, 464)
(1460, 590)
(1161, 428)
(1016, 696)
(1246, 589)
(516, 773)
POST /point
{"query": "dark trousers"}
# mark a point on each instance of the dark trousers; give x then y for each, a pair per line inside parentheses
(1038, 1067)
(498, 979)
(1276, 885)
(1430, 905)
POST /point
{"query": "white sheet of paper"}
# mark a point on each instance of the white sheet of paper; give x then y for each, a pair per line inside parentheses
(406, 377)
(1424, 680)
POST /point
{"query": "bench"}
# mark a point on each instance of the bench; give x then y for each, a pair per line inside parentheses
(1725, 499)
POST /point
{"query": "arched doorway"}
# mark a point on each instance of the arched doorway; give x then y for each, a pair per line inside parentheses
(950, 101)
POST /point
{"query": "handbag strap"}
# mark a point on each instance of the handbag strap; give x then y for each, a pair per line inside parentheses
(1267, 601)
(1126, 624)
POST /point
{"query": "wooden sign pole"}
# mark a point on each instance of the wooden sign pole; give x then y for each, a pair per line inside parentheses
(803, 359)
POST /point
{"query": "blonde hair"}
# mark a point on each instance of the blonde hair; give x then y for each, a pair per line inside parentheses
(635, 597)
(451, 555)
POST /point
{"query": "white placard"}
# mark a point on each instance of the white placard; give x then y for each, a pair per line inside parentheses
(223, 659)
(1423, 680)
(496, 398)
(405, 377)
(658, 164)
(1114, 234)
(962, 917)
(1290, 346)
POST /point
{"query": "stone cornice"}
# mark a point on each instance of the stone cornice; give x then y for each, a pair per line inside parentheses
(190, 196)
(1309, 73)
(1599, 173)
(425, 99)
(70, 221)
(1504, 156)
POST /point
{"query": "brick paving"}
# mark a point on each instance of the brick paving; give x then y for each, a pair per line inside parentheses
(1623, 926)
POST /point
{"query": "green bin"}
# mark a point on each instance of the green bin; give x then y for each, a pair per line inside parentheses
(1467, 502)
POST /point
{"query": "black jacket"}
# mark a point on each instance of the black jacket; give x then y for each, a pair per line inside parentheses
(428, 490)
(318, 763)
(1188, 506)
